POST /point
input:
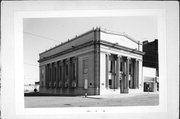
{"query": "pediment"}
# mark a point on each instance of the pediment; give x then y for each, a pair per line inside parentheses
(119, 38)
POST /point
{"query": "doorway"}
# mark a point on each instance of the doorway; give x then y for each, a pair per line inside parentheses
(124, 75)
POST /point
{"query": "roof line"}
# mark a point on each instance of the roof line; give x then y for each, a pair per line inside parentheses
(94, 29)
(76, 37)
(120, 34)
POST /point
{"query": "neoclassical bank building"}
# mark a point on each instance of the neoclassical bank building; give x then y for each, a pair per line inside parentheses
(97, 62)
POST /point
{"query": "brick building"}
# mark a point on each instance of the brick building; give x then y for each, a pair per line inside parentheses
(150, 59)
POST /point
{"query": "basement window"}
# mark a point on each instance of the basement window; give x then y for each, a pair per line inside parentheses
(110, 82)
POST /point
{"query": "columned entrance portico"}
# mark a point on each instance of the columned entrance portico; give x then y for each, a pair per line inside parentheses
(121, 73)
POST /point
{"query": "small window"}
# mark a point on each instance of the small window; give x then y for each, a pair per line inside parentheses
(110, 82)
(41, 84)
(73, 71)
(130, 68)
(66, 69)
(60, 85)
(42, 73)
(66, 85)
(121, 67)
(60, 72)
(111, 66)
(73, 84)
(85, 66)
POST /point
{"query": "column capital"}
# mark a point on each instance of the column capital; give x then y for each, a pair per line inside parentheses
(128, 58)
(119, 55)
(60, 62)
(74, 59)
(56, 64)
(53, 64)
(139, 60)
(50, 65)
(108, 54)
(68, 60)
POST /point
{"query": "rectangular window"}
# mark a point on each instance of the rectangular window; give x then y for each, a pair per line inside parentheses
(111, 66)
(66, 69)
(42, 74)
(41, 84)
(60, 72)
(85, 66)
(121, 66)
(73, 71)
(55, 77)
(130, 68)
(110, 82)
(49, 74)
(85, 63)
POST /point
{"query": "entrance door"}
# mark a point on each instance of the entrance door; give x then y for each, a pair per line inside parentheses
(112, 72)
(123, 75)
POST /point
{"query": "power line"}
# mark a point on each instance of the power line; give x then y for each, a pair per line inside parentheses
(44, 37)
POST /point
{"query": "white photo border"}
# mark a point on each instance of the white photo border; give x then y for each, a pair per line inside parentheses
(19, 80)
(12, 89)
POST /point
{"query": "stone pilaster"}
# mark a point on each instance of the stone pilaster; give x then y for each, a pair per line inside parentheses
(47, 76)
(127, 75)
(118, 71)
(107, 70)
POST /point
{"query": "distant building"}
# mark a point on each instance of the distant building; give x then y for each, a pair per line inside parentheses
(97, 62)
(37, 83)
(150, 66)
(28, 88)
(150, 59)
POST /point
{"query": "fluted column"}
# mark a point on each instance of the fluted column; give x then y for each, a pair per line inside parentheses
(46, 77)
(107, 70)
(55, 72)
(123, 80)
(137, 77)
(117, 72)
(60, 75)
(131, 75)
(76, 71)
(52, 72)
(69, 73)
(135, 74)
(127, 75)
(63, 72)
(50, 75)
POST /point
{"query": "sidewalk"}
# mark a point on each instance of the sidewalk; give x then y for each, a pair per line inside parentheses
(143, 99)
(122, 95)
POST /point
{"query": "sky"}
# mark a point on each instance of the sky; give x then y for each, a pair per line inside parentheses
(40, 34)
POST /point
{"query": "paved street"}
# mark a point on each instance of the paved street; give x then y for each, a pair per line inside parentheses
(93, 101)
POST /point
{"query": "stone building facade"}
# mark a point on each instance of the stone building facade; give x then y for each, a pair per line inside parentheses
(97, 62)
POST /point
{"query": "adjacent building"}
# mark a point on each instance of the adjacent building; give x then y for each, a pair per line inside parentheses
(151, 66)
(150, 59)
(97, 62)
